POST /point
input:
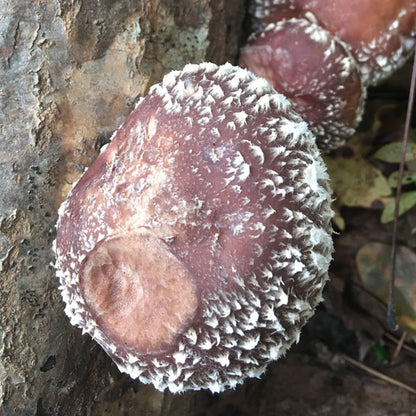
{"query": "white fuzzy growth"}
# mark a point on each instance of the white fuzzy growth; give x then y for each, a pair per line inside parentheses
(262, 104)
(222, 72)
(227, 102)
(301, 305)
(240, 117)
(212, 321)
(206, 112)
(268, 313)
(260, 86)
(231, 125)
(315, 32)
(250, 342)
(214, 387)
(321, 261)
(249, 100)
(173, 388)
(272, 136)
(169, 80)
(257, 229)
(276, 151)
(311, 177)
(223, 359)
(296, 267)
(237, 229)
(348, 65)
(199, 94)
(253, 318)
(268, 212)
(274, 352)
(257, 152)
(244, 172)
(234, 83)
(206, 344)
(217, 92)
(274, 176)
(236, 189)
(241, 167)
(180, 357)
(215, 132)
(191, 336)
(192, 69)
(293, 131)
(209, 100)
(282, 298)
(280, 102)
(182, 90)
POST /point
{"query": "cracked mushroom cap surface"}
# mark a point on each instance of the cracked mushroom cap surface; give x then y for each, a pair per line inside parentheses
(381, 34)
(315, 72)
(197, 245)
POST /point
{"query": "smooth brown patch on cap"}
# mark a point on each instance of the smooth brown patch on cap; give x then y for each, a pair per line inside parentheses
(141, 294)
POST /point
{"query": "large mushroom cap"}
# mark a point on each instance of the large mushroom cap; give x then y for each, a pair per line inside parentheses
(381, 34)
(197, 244)
(315, 72)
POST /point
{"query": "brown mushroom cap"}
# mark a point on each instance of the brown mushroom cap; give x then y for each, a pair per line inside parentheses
(197, 244)
(380, 34)
(314, 71)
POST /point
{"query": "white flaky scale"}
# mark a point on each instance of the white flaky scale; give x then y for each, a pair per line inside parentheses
(194, 271)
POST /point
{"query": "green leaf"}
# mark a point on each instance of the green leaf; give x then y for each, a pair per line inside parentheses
(407, 201)
(356, 182)
(382, 353)
(408, 178)
(392, 152)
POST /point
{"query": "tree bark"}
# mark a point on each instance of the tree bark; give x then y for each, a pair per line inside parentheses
(71, 71)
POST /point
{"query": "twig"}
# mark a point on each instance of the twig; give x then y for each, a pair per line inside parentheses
(390, 308)
(399, 347)
(379, 375)
(396, 341)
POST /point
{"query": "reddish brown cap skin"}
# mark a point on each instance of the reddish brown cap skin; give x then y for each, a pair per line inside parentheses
(380, 34)
(315, 72)
(197, 244)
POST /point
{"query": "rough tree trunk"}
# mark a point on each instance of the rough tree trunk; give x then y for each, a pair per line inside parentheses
(71, 71)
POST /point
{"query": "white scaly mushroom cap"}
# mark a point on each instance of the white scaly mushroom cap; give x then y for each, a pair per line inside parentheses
(276, 288)
(379, 58)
